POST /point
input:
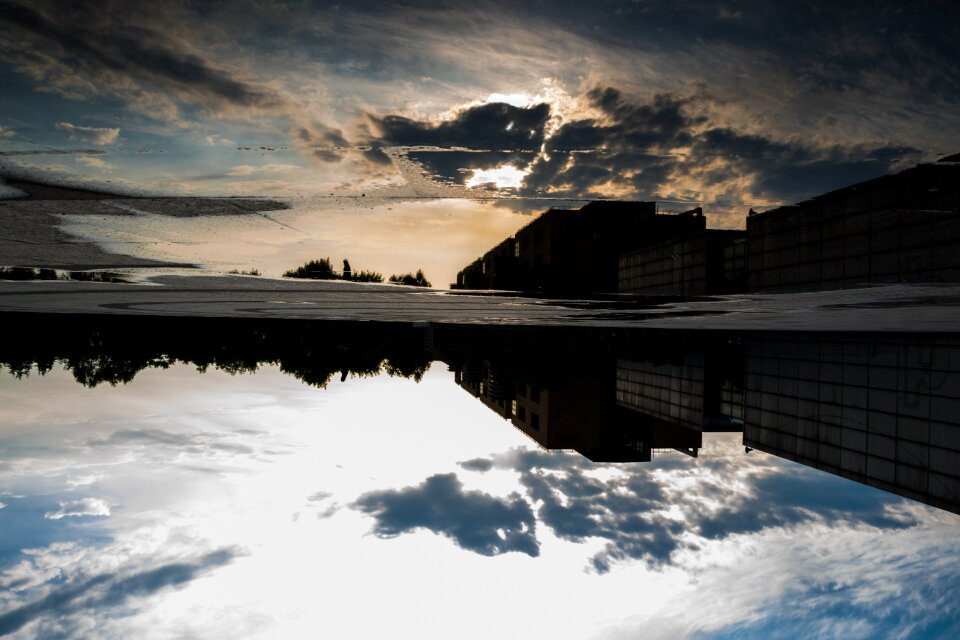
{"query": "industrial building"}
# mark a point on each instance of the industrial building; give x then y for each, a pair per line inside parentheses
(880, 409)
(699, 262)
(898, 228)
(575, 251)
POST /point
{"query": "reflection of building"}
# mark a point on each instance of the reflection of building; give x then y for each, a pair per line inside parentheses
(699, 261)
(576, 251)
(897, 228)
(879, 409)
(497, 269)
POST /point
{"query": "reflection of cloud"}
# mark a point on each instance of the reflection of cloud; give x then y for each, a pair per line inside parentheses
(216, 139)
(669, 146)
(492, 127)
(93, 135)
(82, 507)
(475, 521)
(109, 590)
(662, 148)
(249, 170)
(94, 163)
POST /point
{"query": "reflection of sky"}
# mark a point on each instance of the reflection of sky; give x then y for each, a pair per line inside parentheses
(251, 506)
(438, 236)
(730, 103)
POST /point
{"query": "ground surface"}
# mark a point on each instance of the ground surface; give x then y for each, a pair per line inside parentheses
(905, 308)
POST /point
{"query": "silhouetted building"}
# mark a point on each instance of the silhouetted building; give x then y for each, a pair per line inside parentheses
(471, 277)
(698, 386)
(575, 251)
(897, 228)
(571, 407)
(878, 409)
(696, 261)
(499, 266)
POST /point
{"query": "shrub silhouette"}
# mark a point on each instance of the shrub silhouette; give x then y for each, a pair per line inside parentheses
(367, 276)
(315, 270)
(415, 280)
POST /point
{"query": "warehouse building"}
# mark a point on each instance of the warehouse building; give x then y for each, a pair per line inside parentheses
(897, 228)
(574, 252)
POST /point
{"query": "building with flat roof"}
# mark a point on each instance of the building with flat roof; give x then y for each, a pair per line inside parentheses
(898, 228)
(571, 252)
(698, 261)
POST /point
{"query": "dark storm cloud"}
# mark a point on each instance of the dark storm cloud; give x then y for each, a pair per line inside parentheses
(456, 166)
(110, 590)
(56, 152)
(136, 52)
(481, 465)
(494, 127)
(473, 520)
(323, 143)
(648, 148)
(630, 511)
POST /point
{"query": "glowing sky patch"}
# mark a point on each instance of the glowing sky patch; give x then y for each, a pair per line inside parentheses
(503, 177)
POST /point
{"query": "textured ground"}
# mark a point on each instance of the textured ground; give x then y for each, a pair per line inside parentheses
(904, 308)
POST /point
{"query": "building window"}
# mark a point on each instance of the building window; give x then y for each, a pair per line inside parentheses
(522, 389)
(534, 421)
(521, 413)
(534, 394)
(513, 407)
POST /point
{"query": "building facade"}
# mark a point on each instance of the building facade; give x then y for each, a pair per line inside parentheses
(897, 228)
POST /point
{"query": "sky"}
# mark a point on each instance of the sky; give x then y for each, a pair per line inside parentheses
(358, 106)
(730, 104)
(162, 507)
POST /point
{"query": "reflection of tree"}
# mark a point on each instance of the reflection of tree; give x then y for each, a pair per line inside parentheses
(322, 269)
(414, 280)
(315, 270)
(114, 349)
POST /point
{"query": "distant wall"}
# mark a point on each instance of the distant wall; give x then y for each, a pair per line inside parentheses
(899, 228)
(672, 267)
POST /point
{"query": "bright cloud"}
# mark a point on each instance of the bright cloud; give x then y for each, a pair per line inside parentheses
(249, 169)
(93, 135)
(506, 176)
(82, 507)
(94, 163)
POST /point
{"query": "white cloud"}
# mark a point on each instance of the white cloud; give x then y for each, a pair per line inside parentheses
(215, 139)
(82, 507)
(93, 135)
(249, 169)
(6, 132)
(94, 163)
(501, 177)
